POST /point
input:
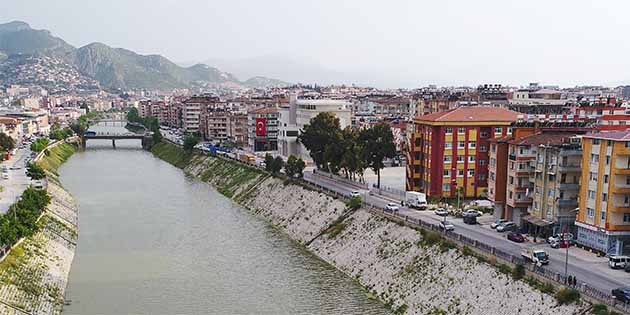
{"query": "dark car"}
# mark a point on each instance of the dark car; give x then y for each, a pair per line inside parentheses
(622, 294)
(627, 267)
(515, 237)
(470, 219)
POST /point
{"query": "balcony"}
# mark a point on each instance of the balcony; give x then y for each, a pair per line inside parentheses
(569, 186)
(512, 157)
(567, 202)
(570, 152)
(569, 168)
(621, 188)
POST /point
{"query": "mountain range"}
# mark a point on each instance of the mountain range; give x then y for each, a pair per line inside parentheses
(115, 68)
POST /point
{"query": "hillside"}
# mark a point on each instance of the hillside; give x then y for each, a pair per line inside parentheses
(113, 68)
(263, 82)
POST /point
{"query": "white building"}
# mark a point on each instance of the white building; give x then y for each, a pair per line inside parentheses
(298, 114)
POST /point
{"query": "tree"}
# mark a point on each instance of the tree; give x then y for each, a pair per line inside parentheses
(378, 144)
(79, 128)
(268, 162)
(6, 143)
(39, 144)
(132, 115)
(320, 137)
(34, 171)
(277, 165)
(190, 142)
(294, 167)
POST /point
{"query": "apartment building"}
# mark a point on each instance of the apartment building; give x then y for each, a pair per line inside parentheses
(215, 124)
(237, 131)
(262, 129)
(603, 221)
(192, 110)
(449, 150)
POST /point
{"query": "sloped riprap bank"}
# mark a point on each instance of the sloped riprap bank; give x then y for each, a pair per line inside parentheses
(390, 260)
(34, 275)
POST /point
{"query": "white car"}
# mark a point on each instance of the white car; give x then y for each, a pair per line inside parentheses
(441, 212)
(445, 225)
(506, 226)
(392, 207)
(496, 223)
(473, 212)
(355, 193)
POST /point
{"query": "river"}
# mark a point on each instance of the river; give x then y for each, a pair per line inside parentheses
(153, 241)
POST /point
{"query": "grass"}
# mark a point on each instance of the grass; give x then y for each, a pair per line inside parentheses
(172, 154)
(567, 296)
(56, 156)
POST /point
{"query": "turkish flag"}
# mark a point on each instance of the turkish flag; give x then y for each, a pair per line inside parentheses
(261, 127)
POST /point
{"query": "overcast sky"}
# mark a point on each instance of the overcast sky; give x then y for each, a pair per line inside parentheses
(385, 43)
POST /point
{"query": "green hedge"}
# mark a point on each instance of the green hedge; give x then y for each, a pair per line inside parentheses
(21, 219)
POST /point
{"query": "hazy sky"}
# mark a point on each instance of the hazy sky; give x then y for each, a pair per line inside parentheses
(386, 43)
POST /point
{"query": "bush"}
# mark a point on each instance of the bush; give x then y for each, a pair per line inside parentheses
(34, 171)
(505, 269)
(567, 296)
(518, 272)
(354, 203)
(430, 238)
(39, 144)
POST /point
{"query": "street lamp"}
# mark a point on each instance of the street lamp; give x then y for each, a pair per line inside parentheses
(566, 257)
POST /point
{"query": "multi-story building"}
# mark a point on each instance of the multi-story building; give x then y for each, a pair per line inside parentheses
(448, 151)
(215, 124)
(262, 129)
(237, 131)
(192, 110)
(603, 221)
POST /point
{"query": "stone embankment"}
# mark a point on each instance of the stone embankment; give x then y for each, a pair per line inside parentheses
(34, 275)
(405, 268)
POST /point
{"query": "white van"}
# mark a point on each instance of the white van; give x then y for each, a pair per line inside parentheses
(618, 262)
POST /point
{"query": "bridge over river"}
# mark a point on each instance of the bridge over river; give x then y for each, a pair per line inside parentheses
(146, 137)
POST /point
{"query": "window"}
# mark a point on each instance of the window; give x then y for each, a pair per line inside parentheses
(460, 159)
(498, 130)
(606, 179)
(461, 144)
(460, 173)
(446, 187)
(592, 176)
(483, 134)
(481, 177)
(610, 142)
(472, 144)
(626, 218)
(449, 131)
(483, 148)
(604, 197)
(471, 173)
(626, 200)
(591, 194)
(551, 193)
(494, 148)
(448, 145)
(511, 180)
(492, 176)
(461, 130)
(627, 144)
(602, 216)
(594, 158)
(590, 212)
(509, 130)
(447, 159)
(482, 162)
(447, 173)
(471, 159)
(493, 161)
(607, 159)
(510, 194)
(596, 141)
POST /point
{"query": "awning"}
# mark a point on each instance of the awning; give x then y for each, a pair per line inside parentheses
(536, 221)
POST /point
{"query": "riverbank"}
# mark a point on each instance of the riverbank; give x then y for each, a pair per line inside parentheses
(411, 272)
(34, 275)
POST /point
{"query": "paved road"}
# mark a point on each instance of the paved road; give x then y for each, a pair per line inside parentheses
(582, 264)
(17, 182)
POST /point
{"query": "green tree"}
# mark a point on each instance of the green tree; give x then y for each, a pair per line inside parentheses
(268, 162)
(276, 165)
(378, 144)
(6, 143)
(39, 144)
(294, 167)
(133, 116)
(190, 141)
(320, 138)
(79, 128)
(34, 171)
(351, 161)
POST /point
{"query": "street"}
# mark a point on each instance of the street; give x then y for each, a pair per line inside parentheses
(14, 186)
(584, 265)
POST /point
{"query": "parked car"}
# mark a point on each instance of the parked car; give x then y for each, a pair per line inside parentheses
(622, 294)
(496, 223)
(559, 237)
(5, 175)
(536, 256)
(506, 226)
(627, 267)
(473, 212)
(618, 262)
(392, 207)
(470, 219)
(441, 212)
(516, 237)
(445, 225)
(355, 193)
(560, 243)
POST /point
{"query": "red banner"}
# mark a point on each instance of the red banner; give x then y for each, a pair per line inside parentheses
(261, 127)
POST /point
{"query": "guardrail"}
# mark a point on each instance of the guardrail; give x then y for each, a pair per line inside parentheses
(390, 192)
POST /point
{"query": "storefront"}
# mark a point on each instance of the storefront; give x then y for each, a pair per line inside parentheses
(609, 242)
(536, 226)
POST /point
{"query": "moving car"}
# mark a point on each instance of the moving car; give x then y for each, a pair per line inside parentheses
(470, 219)
(506, 226)
(560, 237)
(416, 200)
(622, 294)
(535, 255)
(392, 207)
(355, 193)
(445, 225)
(516, 237)
(497, 223)
(441, 212)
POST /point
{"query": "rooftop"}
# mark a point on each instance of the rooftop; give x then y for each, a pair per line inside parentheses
(544, 138)
(619, 135)
(471, 114)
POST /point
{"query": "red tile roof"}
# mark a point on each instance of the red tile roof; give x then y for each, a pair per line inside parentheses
(264, 110)
(546, 138)
(471, 114)
(620, 135)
